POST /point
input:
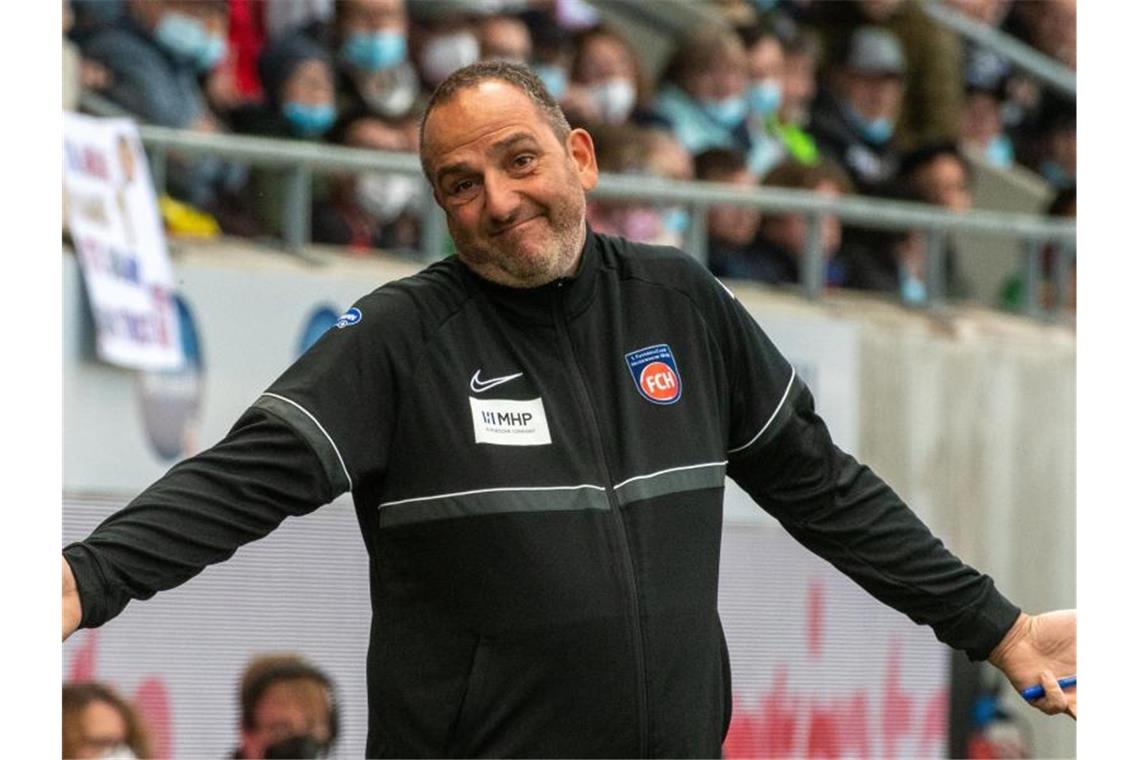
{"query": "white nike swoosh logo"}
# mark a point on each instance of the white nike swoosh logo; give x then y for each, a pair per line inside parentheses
(478, 386)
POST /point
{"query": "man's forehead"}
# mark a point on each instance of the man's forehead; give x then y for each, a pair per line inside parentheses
(475, 112)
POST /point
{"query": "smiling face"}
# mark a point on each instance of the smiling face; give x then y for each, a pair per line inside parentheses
(514, 194)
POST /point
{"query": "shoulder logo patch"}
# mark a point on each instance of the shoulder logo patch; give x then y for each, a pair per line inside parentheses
(655, 373)
(349, 318)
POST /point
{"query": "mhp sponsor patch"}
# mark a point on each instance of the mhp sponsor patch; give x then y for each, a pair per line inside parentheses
(654, 370)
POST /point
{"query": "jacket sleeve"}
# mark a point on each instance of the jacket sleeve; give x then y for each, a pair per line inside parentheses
(198, 514)
(840, 510)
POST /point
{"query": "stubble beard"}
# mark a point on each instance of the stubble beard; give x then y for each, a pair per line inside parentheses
(503, 263)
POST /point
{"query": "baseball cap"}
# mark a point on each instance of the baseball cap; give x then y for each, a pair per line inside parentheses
(874, 50)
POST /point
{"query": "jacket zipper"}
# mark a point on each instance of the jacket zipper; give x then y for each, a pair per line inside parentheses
(623, 540)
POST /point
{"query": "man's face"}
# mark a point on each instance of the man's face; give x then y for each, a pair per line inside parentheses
(287, 709)
(504, 38)
(875, 96)
(310, 83)
(372, 16)
(514, 195)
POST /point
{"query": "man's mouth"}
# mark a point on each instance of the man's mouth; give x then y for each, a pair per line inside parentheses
(514, 226)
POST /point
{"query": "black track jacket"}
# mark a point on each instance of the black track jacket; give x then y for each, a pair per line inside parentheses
(538, 476)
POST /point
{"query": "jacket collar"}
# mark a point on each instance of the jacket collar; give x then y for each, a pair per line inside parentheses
(569, 296)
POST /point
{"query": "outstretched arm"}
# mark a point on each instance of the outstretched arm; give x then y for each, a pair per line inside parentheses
(1039, 649)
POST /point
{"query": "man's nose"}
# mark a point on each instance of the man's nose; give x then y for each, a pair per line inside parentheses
(500, 201)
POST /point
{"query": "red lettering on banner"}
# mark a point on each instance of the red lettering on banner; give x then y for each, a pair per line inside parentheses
(83, 661)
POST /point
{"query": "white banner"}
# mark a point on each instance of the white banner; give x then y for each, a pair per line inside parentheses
(113, 217)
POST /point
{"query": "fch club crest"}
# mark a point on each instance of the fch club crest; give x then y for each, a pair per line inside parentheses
(654, 371)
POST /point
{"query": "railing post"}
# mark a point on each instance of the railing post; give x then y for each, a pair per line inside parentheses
(1031, 250)
(697, 236)
(812, 264)
(433, 228)
(156, 157)
(1062, 276)
(297, 207)
(935, 254)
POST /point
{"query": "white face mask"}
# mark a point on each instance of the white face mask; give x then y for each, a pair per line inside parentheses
(447, 53)
(614, 99)
(121, 752)
(386, 196)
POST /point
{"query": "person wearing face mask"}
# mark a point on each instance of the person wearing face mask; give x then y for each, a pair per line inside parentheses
(607, 85)
(297, 79)
(288, 710)
(98, 723)
(373, 210)
(445, 42)
(375, 76)
(855, 121)
(155, 54)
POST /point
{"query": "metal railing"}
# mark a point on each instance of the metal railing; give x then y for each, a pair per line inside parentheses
(1028, 59)
(301, 160)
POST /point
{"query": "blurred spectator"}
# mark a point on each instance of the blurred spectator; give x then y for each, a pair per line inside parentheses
(297, 76)
(775, 255)
(801, 64)
(374, 209)
(444, 43)
(731, 229)
(855, 123)
(936, 174)
(553, 50)
(1048, 25)
(235, 80)
(606, 82)
(154, 55)
(704, 94)
(1013, 295)
(374, 74)
(92, 15)
(933, 85)
(627, 149)
(982, 128)
(1057, 143)
(288, 709)
(97, 722)
(504, 38)
(773, 139)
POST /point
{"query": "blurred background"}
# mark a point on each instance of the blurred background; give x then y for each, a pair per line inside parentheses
(888, 185)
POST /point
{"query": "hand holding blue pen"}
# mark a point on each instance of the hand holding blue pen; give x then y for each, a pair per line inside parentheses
(1036, 692)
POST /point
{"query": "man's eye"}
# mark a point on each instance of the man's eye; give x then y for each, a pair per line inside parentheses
(462, 186)
(523, 161)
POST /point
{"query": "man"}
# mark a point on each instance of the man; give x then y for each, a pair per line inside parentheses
(856, 119)
(287, 709)
(731, 229)
(536, 434)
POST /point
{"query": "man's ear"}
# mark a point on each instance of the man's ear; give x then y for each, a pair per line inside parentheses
(580, 147)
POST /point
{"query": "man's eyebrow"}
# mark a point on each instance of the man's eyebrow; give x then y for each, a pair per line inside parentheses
(497, 148)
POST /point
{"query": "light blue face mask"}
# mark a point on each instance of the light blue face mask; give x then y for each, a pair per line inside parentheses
(912, 290)
(675, 220)
(186, 38)
(999, 152)
(375, 51)
(728, 113)
(875, 131)
(307, 120)
(1056, 174)
(764, 97)
(553, 78)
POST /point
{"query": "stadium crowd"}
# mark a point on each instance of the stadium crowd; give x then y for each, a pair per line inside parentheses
(870, 97)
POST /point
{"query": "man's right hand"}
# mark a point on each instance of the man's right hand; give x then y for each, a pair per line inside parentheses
(72, 609)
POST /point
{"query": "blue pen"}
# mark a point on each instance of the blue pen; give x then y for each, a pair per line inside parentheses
(1036, 692)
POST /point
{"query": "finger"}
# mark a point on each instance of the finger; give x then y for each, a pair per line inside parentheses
(1054, 701)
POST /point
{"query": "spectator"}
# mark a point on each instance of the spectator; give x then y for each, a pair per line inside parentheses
(504, 38)
(154, 55)
(97, 722)
(783, 239)
(374, 74)
(773, 139)
(983, 129)
(703, 99)
(297, 77)
(936, 174)
(1050, 26)
(626, 149)
(553, 50)
(1057, 143)
(855, 123)
(731, 229)
(801, 64)
(607, 85)
(288, 709)
(372, 210)
(933, 87)
(285, 17)
(1013, 295)
(445, 42)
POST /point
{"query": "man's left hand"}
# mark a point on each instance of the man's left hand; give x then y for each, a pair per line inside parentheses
(1039, 649)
